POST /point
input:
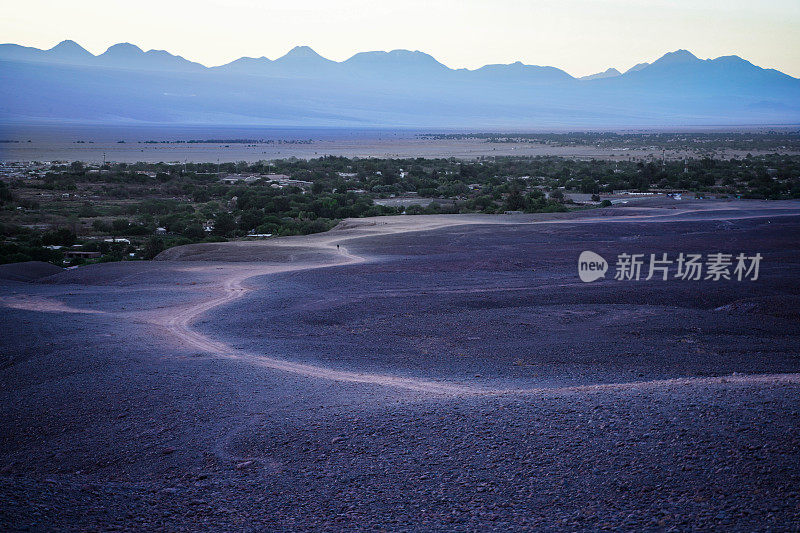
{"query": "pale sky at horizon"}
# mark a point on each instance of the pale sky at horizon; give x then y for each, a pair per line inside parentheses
(579, 36)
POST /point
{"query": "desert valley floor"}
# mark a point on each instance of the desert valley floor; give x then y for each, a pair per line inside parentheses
(412, 373)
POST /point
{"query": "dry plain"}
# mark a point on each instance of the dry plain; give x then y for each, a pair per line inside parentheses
(412, 373)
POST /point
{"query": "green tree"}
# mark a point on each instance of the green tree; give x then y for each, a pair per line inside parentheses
(515, 201)
(224, 224)
(194, 231)
(120, 225)
(153, 247)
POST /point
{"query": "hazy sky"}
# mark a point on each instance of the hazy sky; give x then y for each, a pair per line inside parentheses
(580, 36)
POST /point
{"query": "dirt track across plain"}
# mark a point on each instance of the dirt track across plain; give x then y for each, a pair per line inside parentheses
(429, 373)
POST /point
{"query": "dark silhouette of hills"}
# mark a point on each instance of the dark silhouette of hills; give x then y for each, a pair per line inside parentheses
(396, 88)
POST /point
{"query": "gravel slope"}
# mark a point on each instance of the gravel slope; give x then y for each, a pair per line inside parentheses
(113, 420)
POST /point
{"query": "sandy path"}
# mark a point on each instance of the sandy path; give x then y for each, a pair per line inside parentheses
(178, 322)
(42, 304)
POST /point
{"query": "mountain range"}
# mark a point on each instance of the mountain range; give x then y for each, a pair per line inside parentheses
(400, 88)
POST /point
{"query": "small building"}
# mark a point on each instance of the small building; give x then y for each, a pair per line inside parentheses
(232, 179)
(80, 254)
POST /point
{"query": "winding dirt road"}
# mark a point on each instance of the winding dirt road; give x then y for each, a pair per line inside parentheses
(178, 321)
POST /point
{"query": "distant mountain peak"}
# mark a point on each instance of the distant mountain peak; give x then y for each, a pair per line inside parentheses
(130, 56)
(678, 56)
(162, 54)
(302, 52)
(520, 72)
(251, 61)
(70, 46)
(123, 49)
(515, 66)
(69, 51)
(394, 59)
(608, 73)
(414, 55)
(401, 52)
(732, 59)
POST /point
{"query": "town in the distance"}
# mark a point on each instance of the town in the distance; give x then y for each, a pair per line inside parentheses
(77, 213)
